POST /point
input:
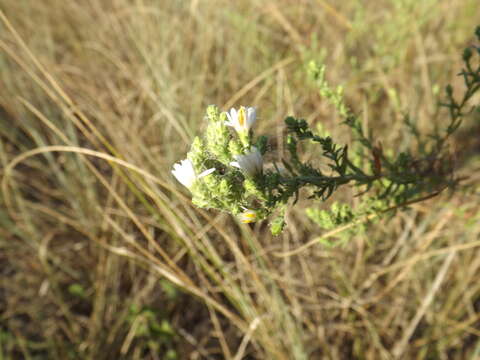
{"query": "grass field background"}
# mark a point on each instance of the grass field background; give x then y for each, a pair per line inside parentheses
(102, 255)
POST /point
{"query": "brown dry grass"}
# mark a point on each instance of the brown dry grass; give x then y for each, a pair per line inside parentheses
(102, 257)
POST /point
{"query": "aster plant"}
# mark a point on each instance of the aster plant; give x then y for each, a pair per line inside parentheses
(229, 161)
(230, 166)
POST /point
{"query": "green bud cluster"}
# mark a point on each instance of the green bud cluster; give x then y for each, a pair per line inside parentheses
(238, 191)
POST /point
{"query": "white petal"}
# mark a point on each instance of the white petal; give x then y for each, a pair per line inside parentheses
(184, 180)
(229, 117)
(205, 173)
(184, 172)
(251, 116)
(232, 117)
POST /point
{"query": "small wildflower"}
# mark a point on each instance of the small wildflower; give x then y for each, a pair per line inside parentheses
(251, 163)
(242, 120)
(248, 216)
(185, 173)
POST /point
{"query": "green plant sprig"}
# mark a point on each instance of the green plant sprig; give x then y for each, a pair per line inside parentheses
(224, 170)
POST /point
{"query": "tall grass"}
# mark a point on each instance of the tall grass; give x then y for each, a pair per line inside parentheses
(104, 257)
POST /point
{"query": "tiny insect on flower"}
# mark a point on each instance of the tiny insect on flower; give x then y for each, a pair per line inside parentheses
(243, 119)
(251, 163)
(185, 173)
(248, 216)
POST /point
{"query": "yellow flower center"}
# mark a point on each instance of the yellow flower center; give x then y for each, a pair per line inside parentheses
(249, 217)
(241, 116)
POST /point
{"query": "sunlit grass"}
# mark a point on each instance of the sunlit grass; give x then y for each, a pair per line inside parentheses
(103, 97)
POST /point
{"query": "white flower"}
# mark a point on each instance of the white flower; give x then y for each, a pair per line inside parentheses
(243, 119)
(185, 173)
(251, 163)
(248, 216)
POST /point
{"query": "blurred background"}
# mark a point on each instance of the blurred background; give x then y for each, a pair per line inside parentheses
(102, 255)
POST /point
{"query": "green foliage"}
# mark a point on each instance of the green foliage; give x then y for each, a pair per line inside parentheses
(217, 136)
(397, 179)
(169, 288)
(158, 333)
(277, 225)
(334, 96)
(77, 290)
(339, 214)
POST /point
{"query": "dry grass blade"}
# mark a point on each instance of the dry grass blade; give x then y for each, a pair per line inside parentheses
(400, 347)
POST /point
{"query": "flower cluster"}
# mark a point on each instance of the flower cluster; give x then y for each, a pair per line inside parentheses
(224, 170)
